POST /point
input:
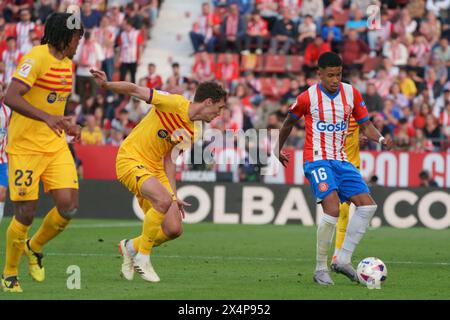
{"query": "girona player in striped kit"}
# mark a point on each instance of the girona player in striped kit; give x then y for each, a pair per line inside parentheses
(5, 113)
(327, 108)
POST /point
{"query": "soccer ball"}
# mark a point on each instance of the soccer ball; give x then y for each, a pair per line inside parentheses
(372, 272)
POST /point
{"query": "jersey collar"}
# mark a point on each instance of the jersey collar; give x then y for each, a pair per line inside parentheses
(331, 96)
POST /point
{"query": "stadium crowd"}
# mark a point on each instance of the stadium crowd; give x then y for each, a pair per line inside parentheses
(265, 53)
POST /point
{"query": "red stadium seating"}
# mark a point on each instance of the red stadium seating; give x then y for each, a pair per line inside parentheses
(252, 62)
(371, 64)
(221, 57)
(295, 63)
(275, 63)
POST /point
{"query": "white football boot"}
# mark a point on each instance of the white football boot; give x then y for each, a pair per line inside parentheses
(145, 269)
(127, 270)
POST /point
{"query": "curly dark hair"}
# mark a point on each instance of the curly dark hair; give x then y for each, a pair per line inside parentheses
(57, 32)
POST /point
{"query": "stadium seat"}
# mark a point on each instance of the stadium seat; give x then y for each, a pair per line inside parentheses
(211, 56)
(295, 63)
(221, 57)
(371, 64)
(252, 62)
(10, 29)
(275, 63)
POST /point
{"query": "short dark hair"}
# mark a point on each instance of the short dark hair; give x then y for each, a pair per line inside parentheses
(329, 59)
(57, 34)
(210, 89)
(175, 65)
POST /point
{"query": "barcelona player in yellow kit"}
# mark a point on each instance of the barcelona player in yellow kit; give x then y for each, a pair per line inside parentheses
(352, 150)
(145, 163)
(37, 148)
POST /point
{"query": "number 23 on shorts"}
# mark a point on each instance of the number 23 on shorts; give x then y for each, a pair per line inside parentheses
(23, 178)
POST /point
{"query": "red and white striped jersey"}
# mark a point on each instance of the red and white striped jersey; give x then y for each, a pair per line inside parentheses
(5, 115)
(23, 34)
(129, 46)
(327, 120)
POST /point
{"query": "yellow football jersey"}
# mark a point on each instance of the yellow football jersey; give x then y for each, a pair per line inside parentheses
(352, 143)
(50, 83)
(166, 125)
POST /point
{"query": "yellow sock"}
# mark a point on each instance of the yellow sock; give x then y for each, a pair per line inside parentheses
(52, 225)
(152, 223)
(342, 223)
(160, 239)
(16, 235)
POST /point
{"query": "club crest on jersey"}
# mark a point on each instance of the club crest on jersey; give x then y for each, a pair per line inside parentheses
(162, 133)
(322, 126)
(323, 186)
(22, 192)
(52, 96)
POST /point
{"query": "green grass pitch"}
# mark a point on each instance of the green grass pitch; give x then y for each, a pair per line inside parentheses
(234, 262)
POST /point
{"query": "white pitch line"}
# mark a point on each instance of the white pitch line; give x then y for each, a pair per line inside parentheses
(234, 258)
(105, 225)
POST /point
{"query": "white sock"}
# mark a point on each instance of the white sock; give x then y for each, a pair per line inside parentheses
(142, 258)
(2, 209)
(325, 232)
(336, 252)
(130, 247)
(355, 231)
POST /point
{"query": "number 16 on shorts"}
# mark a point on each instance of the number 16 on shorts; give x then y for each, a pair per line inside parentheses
(321, 180)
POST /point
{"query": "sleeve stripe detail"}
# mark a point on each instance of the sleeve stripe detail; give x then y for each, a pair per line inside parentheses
(293, 115)
(363, 120)
(149, 101)
(22, 82)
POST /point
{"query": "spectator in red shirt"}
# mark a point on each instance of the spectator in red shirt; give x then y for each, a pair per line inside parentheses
(154, 80)
(403, 135)
(227, 71)
(312, 53)
(256, 32)
(354, 51)
(131, 47)
(204, 69)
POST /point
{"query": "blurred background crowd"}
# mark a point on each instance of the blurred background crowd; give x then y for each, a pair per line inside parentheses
(265, 53)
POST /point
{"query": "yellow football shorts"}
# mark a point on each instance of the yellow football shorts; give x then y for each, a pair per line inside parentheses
(352, 148)
(132, 173)
(55, 170)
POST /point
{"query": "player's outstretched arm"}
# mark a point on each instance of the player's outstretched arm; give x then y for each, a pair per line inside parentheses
(121, 87)
(285, 131)
(14, 99)
(373, 134)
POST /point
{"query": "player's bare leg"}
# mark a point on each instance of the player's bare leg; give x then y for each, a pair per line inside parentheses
(154, 191)
(365, 209)
(66, 205)
(16, 235)
(171, 229)
(325, 232)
